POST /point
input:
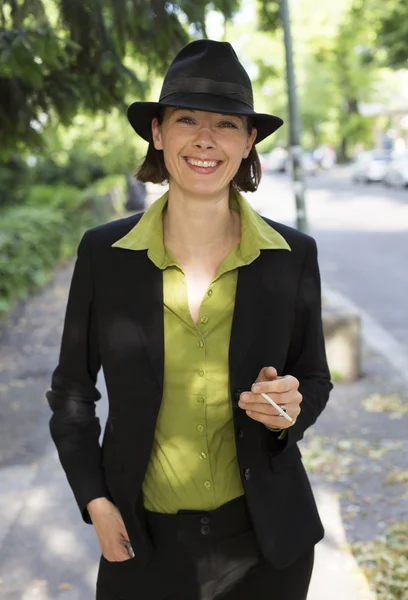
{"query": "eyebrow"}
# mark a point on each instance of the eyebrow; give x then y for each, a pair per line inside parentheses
(240, 117)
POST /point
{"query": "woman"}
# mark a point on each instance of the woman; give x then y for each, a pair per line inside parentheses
(198, 491)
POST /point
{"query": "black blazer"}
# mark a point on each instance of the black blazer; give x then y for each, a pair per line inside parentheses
(114, 319)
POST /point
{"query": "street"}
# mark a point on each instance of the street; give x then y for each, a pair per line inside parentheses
(362, 236)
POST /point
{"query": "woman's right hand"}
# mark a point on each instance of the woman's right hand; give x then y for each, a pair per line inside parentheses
(110, 529)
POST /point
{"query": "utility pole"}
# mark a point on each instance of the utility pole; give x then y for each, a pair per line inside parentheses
(295, 149)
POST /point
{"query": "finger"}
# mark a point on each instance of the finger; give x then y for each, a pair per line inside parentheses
(117, 554)
(269, 411)
(286, 398)
(129, 549)
(277, 386)
(267, 373)
(270, 421)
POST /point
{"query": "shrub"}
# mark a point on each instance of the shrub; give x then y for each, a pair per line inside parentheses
(36, 236)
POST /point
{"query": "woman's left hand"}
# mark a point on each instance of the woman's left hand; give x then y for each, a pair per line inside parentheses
(283, 390)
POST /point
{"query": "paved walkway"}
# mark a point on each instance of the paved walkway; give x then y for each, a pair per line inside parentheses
(47, 553)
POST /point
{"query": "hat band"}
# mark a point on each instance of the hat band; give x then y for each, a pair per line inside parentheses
(199, 85)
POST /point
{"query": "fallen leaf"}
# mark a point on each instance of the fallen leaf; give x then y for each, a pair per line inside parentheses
(64, 586)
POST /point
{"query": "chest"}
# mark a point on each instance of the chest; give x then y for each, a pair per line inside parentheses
(197, 284)
(198, 278)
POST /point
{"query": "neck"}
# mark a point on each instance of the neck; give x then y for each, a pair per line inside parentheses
(199, 227)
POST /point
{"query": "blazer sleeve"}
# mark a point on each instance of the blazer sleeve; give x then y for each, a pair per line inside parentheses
(74, 427)
(306, 358)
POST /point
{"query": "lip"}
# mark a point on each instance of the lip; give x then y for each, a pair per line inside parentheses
(202, 170)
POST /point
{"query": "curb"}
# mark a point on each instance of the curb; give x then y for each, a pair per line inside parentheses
(373, 333)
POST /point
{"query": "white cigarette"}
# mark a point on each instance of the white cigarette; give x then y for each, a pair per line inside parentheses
(278, 408)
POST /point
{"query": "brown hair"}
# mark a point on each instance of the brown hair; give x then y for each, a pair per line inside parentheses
(247, 178)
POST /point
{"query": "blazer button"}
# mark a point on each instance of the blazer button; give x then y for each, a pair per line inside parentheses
(247, 474)
(240, 434)
(205, 529)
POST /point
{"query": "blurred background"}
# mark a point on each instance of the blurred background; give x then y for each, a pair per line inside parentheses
(68, 70)
(338, 169)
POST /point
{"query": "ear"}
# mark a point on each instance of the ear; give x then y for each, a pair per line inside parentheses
(250, 142)
(156, 134)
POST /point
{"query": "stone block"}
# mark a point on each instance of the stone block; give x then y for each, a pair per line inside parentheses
(342, 332)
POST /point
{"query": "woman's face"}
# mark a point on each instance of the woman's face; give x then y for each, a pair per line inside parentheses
(202, 150)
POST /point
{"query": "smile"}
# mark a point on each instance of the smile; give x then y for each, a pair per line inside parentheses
(203, 166)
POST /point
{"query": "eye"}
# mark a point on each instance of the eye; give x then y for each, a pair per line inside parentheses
(187, 120)
(228, 124)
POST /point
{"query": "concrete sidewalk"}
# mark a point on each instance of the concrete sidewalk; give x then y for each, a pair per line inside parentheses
(47, 553)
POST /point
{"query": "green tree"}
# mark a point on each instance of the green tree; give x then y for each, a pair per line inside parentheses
(60, 57)
(392, 29)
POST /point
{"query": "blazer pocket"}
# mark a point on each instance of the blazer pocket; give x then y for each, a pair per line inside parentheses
(285, 459)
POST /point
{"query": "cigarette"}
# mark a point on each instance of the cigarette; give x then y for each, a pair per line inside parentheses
(278, 408)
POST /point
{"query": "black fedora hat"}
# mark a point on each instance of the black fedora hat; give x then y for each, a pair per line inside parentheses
(205, 75)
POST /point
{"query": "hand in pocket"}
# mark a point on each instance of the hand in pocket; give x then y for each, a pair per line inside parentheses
(111, 530)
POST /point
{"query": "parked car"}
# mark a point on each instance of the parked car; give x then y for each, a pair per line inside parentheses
(370, 166)
(275, 161)
(278, 161)
(397, 171)
(309, 164)
(325, 156)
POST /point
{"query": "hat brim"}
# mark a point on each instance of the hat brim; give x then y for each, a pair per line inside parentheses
(141, 114)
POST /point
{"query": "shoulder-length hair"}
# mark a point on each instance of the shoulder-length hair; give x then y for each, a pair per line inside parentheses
(247, 178)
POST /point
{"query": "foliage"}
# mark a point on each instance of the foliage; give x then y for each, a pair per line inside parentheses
(58, 58)
(35, 237)
(15, 178)
(80, 170)
(392, 31)
(385, 562)
(268, 13)
(79, 155)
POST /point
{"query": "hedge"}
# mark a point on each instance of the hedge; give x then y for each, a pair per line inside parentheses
(36, 236)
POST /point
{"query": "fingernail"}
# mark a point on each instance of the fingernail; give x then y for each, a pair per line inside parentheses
(245, 397)
(256, 388)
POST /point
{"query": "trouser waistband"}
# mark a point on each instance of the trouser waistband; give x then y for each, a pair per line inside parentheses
(227, 520)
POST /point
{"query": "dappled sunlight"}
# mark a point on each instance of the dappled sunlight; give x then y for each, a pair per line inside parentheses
(38, 501)
(38, 591)
(62, 542)
(332, 557)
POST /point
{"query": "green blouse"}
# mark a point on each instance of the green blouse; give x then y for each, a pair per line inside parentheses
(193, 464)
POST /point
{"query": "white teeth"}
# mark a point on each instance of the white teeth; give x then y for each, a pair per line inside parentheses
(202, 163)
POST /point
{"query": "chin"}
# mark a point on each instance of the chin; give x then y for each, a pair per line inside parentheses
(204, 188)
(205, 191)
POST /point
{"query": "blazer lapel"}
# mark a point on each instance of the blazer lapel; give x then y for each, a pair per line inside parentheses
(256, 293)
(146, 304)
(151, 321)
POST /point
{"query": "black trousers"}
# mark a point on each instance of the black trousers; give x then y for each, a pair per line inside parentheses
(204, 556)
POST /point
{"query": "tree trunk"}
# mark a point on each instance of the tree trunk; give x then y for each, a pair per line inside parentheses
(343, 158)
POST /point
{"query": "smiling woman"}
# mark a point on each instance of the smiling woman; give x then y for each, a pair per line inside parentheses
(248, 174)
(198, 491)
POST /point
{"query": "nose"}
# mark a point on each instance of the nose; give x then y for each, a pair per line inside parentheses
(205, 139)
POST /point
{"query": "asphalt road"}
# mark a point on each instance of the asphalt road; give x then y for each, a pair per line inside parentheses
(362, 236)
